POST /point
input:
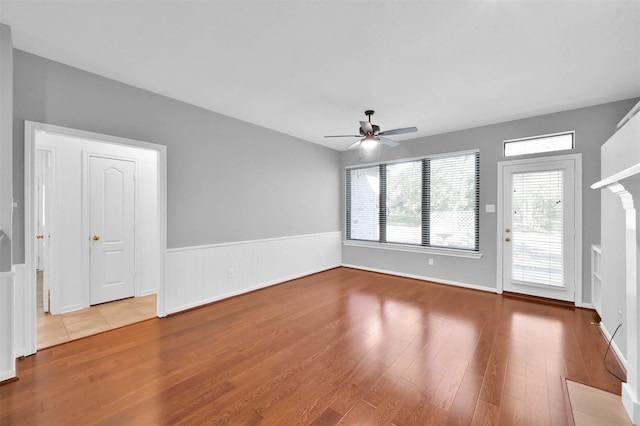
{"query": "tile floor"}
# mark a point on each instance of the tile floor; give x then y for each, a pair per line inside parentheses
(595, 407)
(55, 329)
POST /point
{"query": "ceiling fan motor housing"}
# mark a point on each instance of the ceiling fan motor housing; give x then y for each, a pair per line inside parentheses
(376, 129)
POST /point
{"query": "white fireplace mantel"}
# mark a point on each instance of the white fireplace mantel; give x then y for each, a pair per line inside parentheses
(626, 184)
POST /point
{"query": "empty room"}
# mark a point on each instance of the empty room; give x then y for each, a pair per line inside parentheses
(319, 212)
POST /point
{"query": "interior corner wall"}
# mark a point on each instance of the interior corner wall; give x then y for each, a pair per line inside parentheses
(7, 342)
(593, 126)
(227, 180)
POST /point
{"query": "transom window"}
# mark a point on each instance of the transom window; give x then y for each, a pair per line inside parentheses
(429, 202)
(537, 144)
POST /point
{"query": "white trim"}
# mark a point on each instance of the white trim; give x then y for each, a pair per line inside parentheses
(413, 249)
(236, 243)
(27, 306)
(577, 159)
(422, 278)
(19, 338)
(7, 327)
(614, 178)
(631, 403)
(589, 306)
(551, 135)
(30, 129)
(614, 345)
(629, 116)
(202, 302)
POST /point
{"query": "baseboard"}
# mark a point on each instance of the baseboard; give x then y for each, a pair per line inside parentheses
(72, 308)
(147, 292)
(631, 404)
(422, 278)
(618, 353)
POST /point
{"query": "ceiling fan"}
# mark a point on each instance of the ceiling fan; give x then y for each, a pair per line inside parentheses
(371, 135)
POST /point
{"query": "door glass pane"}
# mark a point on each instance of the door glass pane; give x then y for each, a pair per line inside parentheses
(404, 202)
(537, 228)
(364, 203)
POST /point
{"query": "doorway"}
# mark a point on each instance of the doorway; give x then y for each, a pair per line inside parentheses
(69, 289)
(539, 223)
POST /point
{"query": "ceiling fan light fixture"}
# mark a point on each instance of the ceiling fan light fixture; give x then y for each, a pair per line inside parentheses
(369, 142)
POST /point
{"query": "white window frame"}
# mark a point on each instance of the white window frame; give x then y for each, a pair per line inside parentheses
(551, 135)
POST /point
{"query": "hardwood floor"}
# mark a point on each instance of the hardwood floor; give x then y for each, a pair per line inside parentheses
(338, 347)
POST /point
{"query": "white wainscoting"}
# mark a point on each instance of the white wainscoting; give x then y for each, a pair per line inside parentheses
(7, 351)
(22, 318)
(199, 275)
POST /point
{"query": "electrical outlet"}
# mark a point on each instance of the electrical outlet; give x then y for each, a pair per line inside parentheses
(431, 261)
(230, 273)
(620, 317)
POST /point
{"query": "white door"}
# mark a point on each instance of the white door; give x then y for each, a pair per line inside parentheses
(538, 228)
(44, 184)
(111, 223)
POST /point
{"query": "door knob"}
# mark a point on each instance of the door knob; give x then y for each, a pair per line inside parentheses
(507, 230)
(95, 237)
(507, 239)
(40, 237)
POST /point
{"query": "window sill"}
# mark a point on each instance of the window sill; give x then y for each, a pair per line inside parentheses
(426, 250)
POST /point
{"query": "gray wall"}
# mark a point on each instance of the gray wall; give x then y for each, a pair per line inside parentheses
(6, 106)
(228, 180)
(593, 126)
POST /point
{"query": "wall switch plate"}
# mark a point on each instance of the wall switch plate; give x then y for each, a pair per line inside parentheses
(431, 261)
(230, 273)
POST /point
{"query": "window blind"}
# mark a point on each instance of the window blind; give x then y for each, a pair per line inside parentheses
(433, 201)
(537, 228)
(403, 202)
(454, 202)
(363, 191)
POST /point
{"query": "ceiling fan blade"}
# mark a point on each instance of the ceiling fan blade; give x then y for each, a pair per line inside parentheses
(366, 127)
(399, 131)
(387, 141)
(344, 136)
(353, 145)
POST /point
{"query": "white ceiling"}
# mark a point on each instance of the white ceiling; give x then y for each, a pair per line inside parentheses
(310, 68)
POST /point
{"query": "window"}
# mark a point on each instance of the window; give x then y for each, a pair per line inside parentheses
(428, 202)
(538, 144)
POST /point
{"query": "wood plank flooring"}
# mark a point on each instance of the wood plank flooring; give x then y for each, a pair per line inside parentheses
(339, 347)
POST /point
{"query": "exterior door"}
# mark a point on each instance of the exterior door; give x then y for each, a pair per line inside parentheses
(111, 223)
(538, 228)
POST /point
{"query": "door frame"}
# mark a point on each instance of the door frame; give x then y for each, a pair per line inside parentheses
(577, 187)
(26, 308)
